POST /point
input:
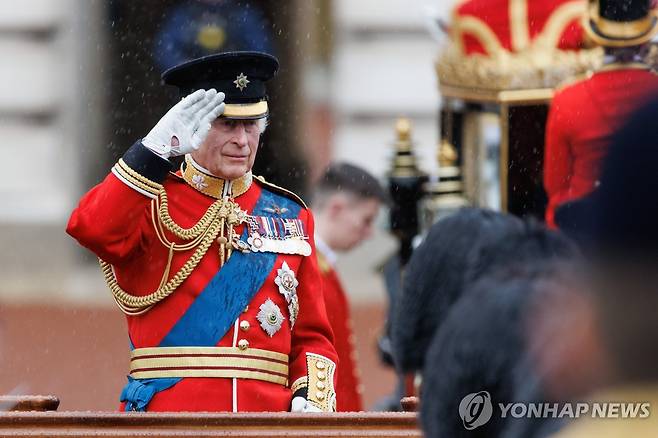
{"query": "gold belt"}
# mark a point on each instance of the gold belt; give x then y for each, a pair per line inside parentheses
(228, 362)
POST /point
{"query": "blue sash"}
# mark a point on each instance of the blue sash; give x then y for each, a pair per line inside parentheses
(216, 308)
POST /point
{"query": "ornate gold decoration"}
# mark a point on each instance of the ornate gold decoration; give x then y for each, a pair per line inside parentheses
(527, 70)
(320, 383)
(211, 185)
(535, 64)
(218, 221)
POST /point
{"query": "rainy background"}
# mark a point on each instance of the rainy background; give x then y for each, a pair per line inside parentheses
(80, 82)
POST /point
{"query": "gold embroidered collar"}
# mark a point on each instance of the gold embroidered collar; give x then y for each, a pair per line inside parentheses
(201, 180)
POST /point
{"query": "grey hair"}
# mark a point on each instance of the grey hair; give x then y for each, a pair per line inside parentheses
(262, 124)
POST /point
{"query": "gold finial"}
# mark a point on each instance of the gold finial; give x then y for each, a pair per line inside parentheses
(404, 161)
(447, 154)
(403, 129)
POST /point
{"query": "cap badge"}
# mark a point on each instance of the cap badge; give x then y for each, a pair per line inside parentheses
(241, 81)
(270, 317)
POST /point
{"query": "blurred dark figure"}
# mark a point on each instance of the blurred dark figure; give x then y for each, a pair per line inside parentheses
(198, 28)
(616, 226)
(436, 275)
(480, 345)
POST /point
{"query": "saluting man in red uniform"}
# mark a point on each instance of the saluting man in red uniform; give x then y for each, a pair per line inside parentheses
(214, 268)
(346, 203)
(584, 114)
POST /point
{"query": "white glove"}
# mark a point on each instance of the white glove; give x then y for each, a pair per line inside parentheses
(186, 124)
(300, 404)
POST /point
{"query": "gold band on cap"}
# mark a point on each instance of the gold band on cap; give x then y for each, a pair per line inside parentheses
(621, 34)
(631, 29)
(246, 110)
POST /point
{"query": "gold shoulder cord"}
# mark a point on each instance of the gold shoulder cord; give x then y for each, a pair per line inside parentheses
(217, 223)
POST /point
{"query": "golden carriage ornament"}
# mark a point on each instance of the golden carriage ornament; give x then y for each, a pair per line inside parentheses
(497, 74)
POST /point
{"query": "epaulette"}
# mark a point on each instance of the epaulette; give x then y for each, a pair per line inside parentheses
(323, 263)
(281, 190)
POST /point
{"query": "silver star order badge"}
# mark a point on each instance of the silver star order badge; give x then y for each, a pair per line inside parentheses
(241, 81)
(270, 317)
(286, 281)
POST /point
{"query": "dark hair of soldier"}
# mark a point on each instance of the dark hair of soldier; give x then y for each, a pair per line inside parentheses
(438, 268)
(480, 345)
(347, 178)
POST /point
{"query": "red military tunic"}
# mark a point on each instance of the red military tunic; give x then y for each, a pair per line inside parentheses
(348, 389)
(514, 25)
(254, 370)
(581, 120)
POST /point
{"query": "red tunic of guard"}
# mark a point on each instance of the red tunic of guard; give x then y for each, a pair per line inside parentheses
(348, 387)
(581, 120)
(261, 359)
(517, 24)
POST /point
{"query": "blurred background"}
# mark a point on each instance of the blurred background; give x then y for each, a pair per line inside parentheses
(80, 82)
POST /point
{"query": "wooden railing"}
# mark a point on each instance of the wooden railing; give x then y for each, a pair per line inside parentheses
(28, 403)
(245, 425)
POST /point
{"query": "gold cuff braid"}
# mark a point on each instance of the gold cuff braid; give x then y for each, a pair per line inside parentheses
(298, 384)
(320, 374)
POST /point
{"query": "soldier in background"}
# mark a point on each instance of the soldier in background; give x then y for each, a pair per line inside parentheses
(584, 115)
(346, 203)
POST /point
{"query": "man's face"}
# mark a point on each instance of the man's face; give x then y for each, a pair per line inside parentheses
(230, 148)
(355, 221)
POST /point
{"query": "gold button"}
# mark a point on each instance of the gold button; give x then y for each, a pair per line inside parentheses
(320, 386)
(222, 240)
(244, 325)
(319, 395)
(321, 375)
(319, 365)
(243, 344)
